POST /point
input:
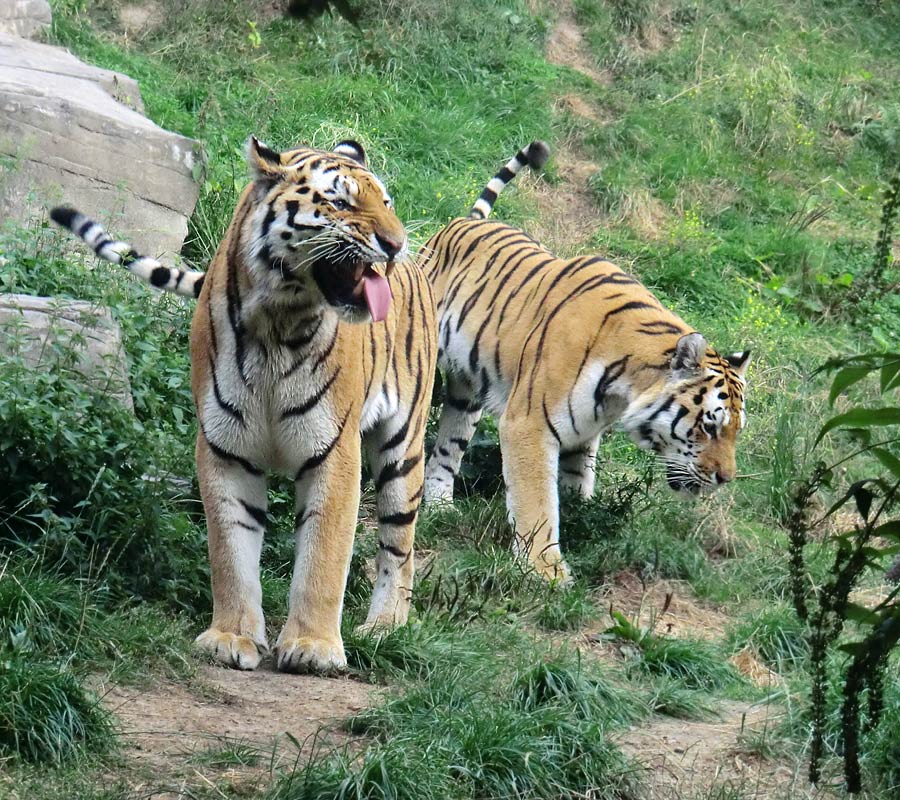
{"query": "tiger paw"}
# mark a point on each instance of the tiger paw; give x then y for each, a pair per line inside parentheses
(438, 492)
(305, 654)
(378, 627)
(556, 573)
(240, 652)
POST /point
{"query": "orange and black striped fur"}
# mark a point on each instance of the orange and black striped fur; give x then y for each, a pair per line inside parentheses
(282, 382)
(560, 350)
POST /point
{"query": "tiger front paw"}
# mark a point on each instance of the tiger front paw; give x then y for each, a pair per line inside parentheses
(305, 654)
(556, 573)
(231, 649)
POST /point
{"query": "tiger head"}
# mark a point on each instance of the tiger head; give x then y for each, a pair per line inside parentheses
(694, 425)
(322, 221)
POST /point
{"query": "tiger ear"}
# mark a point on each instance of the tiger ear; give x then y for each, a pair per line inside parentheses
(264, 162)
(689, 352)
(351, 149)
(739, 362)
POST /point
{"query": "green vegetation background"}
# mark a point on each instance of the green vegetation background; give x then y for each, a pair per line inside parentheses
(739, 148)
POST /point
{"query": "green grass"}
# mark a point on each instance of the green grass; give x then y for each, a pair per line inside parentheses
(478, 727)
(775, 634)
(231, 754)
(45, 713)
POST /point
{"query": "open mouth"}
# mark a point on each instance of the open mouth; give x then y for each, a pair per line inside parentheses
(355, 283)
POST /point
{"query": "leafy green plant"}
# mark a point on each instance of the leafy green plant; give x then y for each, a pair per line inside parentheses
(90, 485)
(469, 733)
(569, 684)
(875, 278)
(864, 549)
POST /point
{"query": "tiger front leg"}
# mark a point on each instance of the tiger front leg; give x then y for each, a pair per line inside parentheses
(578, 468)
(530, 465)
(327, 503)
(396, 458)
(234, 497)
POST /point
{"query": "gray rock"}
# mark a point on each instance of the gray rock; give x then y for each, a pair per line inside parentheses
(46, 333)
(24, 17)
(68, 140)
(16, 53)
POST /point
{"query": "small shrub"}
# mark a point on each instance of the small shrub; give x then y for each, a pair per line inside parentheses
(413, 650)
(74, 464)
(672, 698)
(460, 737)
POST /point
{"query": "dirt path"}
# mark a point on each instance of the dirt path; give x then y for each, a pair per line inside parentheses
(568, 211)
(691, 759)
(228, 726)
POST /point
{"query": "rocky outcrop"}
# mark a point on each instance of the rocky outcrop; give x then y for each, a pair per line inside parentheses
(48, 333)
(71, 133)
(46, 62)
(24, 17)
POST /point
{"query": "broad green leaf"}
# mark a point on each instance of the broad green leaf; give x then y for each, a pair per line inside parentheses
(852, 648)
(862, 615)
(845, 379)
(890, 530)
(851, 492)
(862, 418)
(888, 460)
(890, 375)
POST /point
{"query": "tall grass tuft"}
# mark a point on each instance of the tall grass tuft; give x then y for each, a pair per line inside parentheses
(45, 713)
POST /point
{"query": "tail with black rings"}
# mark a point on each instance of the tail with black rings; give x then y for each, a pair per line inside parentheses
(184, 282)
(534, 155)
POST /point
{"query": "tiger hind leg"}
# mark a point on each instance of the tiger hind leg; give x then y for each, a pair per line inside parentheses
(235, 504)
(459, 418)
(530, 467)
(578, 468)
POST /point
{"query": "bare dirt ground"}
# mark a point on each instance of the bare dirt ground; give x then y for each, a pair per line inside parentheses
(228, 726)
(691, 759)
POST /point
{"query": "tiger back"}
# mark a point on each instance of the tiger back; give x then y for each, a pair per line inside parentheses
(284, 380)
(560, 350)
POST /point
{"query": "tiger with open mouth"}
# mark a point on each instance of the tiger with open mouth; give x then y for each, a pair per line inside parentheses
(313, 336)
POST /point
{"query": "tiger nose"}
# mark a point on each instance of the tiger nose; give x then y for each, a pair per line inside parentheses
(390, 244)
(723, 476)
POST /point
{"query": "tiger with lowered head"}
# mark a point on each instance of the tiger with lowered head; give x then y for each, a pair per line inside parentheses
(283, 381)
(560, 350)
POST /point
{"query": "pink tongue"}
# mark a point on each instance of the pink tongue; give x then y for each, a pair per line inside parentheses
(378, 295)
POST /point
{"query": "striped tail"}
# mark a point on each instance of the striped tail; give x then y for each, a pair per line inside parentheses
(183, 282)
(535, 156)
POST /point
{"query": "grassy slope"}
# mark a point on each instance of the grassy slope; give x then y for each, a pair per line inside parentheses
(729, 125)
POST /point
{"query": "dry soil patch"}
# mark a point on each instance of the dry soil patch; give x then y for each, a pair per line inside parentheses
(169, 729)
(684, 759)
